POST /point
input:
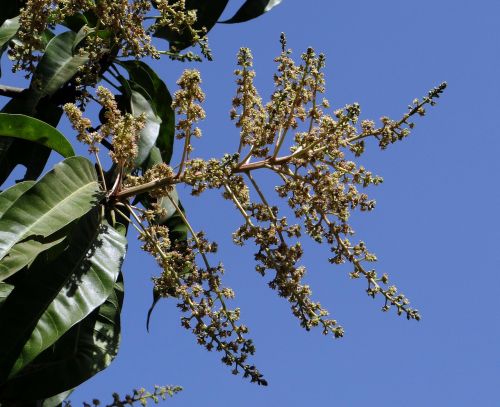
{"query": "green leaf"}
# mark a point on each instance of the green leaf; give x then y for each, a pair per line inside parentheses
(207, 13)
(56, 296)
(8, 29)
(57, 400)
(141, 74)
(136, 100)
(252, 9)
(47, 35)
(75, 22)
(31, 129)
(57, 66)
(9, 196)
(17, 151)
(5, 290)
(64, 194)
(26, 251)
(177, 228)
(156, 298)
(140, 105)
(86, 349)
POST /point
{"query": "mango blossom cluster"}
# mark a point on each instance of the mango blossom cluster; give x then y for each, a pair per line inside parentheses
(312, 153)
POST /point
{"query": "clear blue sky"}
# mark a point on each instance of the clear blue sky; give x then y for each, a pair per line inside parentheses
(435, 229)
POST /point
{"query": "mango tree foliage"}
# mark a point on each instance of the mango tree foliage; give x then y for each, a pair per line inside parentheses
(63, 232)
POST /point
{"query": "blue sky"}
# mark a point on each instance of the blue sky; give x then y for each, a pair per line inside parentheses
(435, 229)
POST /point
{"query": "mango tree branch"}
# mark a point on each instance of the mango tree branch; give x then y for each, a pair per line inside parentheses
(139, 189)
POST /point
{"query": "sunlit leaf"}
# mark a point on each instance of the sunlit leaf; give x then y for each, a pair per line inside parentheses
(37, 131)
(10, 195)
(8, 29)
(58, 65)
(140, 105)
(64, 194)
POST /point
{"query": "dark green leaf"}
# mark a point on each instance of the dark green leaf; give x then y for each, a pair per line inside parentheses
(85, 31)
(75, 22)
(24, 252)
(207, 12)
(141, 74)
(149, 134)
(31, 129)
(58, 65)
(156, 298)
(46, 37)
(56, 296)
(252, 9)
(8, 29)
(16, 151)
(10, 195)
(86, 349)
(177, 228)
(57, 400)
(5, 290)
(64, 194)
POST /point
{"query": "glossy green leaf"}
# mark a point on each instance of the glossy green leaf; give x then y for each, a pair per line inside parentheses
(64, 194)
(83, 351)
(10, 195)
(75, 22)
(57, 400)
(37, 131)
(58, 65)
(46, 37)
(14, 151)
(141, 74)
(140, 105)
(8, 29)
(86, 349)
(56, 296)
(136, 100)
(207, 13)
(26, 251)
(252, 9)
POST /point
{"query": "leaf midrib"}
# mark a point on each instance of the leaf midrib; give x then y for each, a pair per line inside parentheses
(56, 73)
(47, 303)
(44, 216)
